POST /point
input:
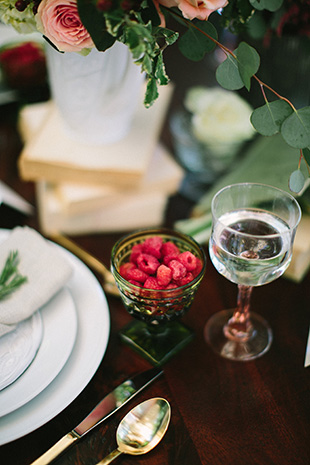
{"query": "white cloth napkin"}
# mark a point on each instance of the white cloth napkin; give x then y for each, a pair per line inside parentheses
(46, 271)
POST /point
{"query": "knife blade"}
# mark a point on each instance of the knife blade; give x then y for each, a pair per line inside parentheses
(103, 410)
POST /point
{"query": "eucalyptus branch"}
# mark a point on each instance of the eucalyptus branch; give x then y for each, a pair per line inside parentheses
(263, 84)
(227, 51)
(189, 24)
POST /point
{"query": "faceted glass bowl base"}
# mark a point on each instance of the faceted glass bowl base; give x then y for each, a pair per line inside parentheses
(156, 343)
(257, 344)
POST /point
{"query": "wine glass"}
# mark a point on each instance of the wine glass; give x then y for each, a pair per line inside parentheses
(155, 333)
(251, 243)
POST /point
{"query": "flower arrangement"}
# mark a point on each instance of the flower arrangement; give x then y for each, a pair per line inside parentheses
(79, 25)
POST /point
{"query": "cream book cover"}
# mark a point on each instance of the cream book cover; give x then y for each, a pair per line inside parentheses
(163, 176)
(130, 214)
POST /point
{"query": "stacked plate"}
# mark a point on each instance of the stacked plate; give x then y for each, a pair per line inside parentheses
(65, 342)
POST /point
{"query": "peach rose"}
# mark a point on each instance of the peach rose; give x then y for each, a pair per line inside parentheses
(200, 9)
(59, 21)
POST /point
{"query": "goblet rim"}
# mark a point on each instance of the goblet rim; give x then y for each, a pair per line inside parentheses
(291, 229)
(165, 293)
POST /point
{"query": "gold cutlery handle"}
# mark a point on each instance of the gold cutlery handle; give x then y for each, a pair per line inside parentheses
(109, 282)
(56, 449)
(109, 458)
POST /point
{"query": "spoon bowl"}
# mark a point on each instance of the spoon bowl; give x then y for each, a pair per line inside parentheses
(141, 429)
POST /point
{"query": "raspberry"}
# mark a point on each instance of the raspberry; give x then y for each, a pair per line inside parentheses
(123, 270)
(187, 279)
(151, 283)
(157, 265)
(163, 275)
(198, 268)
(188, 260)
(137, 275)
(178, 270)
(171, 286)
(147, 263)
(152, 246)
(167, 258)
(169, 248)
(135, 251)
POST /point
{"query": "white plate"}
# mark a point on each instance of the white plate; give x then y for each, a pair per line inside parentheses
(90, 346)
(59, 333)
(18, 348)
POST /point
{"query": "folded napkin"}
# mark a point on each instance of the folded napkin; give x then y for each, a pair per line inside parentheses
(46, 271)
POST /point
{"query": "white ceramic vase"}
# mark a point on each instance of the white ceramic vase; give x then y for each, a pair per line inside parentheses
(97, 94)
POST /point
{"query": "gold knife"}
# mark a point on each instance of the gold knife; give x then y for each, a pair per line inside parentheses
(106, 407)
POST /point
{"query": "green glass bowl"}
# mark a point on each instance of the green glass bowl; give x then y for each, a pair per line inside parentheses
(156, 309)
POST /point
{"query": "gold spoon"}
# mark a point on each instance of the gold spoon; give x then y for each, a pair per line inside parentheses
(108, 283)
(141, 429)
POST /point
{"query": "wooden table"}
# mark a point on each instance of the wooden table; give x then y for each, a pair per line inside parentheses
(223, 412)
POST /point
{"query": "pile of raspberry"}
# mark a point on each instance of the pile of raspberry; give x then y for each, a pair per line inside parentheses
(155, 264)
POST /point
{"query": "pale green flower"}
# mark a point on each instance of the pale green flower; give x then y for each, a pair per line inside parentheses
(22, 21)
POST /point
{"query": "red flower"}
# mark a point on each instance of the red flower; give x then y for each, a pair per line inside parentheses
(24, 65)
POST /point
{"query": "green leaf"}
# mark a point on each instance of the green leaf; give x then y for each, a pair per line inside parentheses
(248, 62)
(267, 119)
(270, 5)
(95, 24)
(295, 129)
(256, 26)
(227, 74)
(296, 181)
(170, 36)
(306, 155)
(151, 93)
(160, 72)
(149, 13)
(146, 64)
(194, 44)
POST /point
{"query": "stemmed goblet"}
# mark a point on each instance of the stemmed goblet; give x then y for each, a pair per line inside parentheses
(156, 332)
(251, 243)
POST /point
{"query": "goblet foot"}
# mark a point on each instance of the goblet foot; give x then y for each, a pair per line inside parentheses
(156, 343)
(258, 343)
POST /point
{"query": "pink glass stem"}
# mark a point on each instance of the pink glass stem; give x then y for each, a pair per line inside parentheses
(239, 327)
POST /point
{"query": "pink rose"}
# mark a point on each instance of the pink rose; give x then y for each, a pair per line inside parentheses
(59, 21)
(200, 9)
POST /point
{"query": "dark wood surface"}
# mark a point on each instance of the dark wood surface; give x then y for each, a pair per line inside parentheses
(223, 412)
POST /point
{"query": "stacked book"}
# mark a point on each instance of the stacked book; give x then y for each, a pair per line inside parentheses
(85, 189)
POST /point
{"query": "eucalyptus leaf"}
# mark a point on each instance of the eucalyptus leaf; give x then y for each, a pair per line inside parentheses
(267, 119)
(295, 129)
(296, 181)
(248, 62)
(270, 5)
(194, 44)
(256, 26)
(227, 74)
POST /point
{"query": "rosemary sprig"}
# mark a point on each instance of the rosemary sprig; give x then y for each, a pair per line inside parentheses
(10, 278)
